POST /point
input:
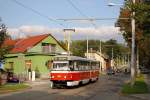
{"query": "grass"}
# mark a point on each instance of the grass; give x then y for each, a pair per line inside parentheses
(12, 87)
(139, 87)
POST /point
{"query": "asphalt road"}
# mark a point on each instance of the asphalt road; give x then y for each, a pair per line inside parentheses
(106, 88)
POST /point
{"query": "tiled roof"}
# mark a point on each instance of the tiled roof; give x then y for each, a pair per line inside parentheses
(23, 44)
(10, 42)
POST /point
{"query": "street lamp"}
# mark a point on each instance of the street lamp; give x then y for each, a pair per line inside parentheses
(69, 38)
(133, 43)
(114, 4)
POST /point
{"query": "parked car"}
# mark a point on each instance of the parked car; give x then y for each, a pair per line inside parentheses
(110, 72)
(12, 78)
(3, 77)
(145, 71)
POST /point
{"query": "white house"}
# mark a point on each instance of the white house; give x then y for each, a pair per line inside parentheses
(103, 59)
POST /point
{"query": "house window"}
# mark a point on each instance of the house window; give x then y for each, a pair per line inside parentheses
(49, 64)
(53, 48)
(48, 48)
(10, 67)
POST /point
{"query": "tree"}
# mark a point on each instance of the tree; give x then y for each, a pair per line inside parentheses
(118, 49)
(142, 18)
(79, 47)
(142, 28)
(3, 36)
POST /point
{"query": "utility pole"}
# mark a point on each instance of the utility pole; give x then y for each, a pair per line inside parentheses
(69, 38)
(100, 47)
(137, 61)
(112, 58)
(133, 48)
(133, 64)
(87, 49)
(65, 40)
(100, 50)
(112, 54)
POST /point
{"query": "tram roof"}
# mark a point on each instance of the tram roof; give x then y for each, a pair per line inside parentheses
(75, 58)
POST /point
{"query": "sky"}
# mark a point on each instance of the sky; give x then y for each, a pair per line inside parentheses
(32, 17)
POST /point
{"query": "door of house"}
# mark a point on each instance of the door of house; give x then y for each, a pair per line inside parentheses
(28, 64)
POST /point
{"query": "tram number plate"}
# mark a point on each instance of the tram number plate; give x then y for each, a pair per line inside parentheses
(58, 76)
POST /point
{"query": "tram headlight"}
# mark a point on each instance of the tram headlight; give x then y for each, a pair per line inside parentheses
(53, 76)
(65, 77)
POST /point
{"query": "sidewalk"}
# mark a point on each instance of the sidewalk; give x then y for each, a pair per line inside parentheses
(144, 96)
(37, 82)
(147, 77)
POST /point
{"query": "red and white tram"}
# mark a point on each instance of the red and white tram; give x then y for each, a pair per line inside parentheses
(73, 71)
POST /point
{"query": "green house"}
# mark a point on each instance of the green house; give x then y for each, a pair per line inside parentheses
(32, 54)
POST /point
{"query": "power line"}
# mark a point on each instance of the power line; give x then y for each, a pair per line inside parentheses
(89, 19)
(77, 9)
(37, 12)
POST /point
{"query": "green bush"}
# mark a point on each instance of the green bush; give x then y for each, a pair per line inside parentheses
(138, 88)
(13, 87)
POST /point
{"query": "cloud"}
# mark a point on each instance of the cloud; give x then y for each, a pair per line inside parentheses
(101, 32)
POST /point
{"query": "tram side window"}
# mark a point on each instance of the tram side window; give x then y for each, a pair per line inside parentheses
(71, 65)
(79, 65)
(80, 68)
(88, 66)
(76, 67)
(84, 66)
(97, 65)
(93, 66)
(60, 66)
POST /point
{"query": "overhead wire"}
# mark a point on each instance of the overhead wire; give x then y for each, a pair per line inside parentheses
(91, 19)
(80, 12)
(37, 12)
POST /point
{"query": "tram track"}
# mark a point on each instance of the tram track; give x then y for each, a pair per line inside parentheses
(106, 88)
(81, 91)
(74, 90)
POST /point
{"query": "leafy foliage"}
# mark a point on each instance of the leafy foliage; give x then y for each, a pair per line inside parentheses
(13, 87)
(142, 19)
(79, 47)
(3, 36)
(139, 87)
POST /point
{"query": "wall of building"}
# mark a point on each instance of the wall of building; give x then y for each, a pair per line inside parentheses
(38, 62)
(38, 47)
(98, 57)
(35, 58)
(102, 61)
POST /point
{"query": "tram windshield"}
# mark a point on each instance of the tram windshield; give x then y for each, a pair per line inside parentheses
(61, 66)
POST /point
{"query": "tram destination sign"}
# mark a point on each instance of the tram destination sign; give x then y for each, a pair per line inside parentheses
(60, 58)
